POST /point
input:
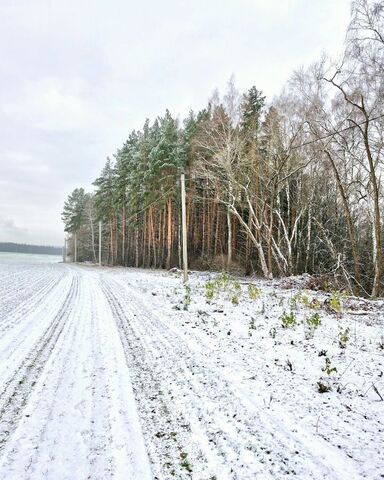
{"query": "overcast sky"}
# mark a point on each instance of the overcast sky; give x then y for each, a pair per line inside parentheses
(77, 75)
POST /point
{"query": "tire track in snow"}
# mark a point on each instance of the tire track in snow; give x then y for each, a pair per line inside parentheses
(29, 454)
(79, 422)
(116, 433)
(165, 415)
(54, 395)
(98, 433)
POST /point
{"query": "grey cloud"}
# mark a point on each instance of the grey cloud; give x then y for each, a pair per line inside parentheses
(9, 229)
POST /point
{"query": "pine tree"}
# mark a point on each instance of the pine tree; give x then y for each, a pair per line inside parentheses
(73, 214)
(251, 111)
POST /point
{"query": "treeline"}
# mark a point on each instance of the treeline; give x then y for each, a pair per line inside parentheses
(24, 248)
(282, 187)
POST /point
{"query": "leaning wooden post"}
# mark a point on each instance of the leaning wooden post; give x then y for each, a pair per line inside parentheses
(75, 247)
(100, 243)
(184, 229)
(65, 250)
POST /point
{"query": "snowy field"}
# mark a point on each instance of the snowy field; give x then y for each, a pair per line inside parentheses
(22, 258)
(122, 373)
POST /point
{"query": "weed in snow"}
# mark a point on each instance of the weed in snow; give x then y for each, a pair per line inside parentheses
(288, 320)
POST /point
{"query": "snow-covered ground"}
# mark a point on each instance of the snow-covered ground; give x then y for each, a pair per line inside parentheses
(11, 258)
(126, 374)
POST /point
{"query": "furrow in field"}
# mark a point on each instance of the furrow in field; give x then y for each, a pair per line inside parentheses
(17, 390)
(19, 288)
(27, 330)
(48, 441)
(28, 302)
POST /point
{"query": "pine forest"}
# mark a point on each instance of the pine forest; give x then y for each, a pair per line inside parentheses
(274, 187)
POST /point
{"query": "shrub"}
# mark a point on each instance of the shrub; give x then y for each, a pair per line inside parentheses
(315, 304)
(302, 298)
(328, 368)
(187, 297)
(288, 320)
(235, 300)
(343, 338)
(295, 300)
(223, 280)
(323, 387)
(253, 292)
(335, 302)
(223, 283)
(251, 326)
(235, 292)
(314, 321)
(185, 463)
(210, 291)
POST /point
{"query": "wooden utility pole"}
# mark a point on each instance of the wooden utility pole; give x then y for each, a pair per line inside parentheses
(100, 243)
(75, 247)
(184, 229)
(65, 250)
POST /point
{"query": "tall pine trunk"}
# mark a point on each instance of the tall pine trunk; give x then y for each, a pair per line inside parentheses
(169, 235)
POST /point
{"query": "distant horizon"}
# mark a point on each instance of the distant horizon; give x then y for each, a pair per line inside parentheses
(2, 242)
(15, 247)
